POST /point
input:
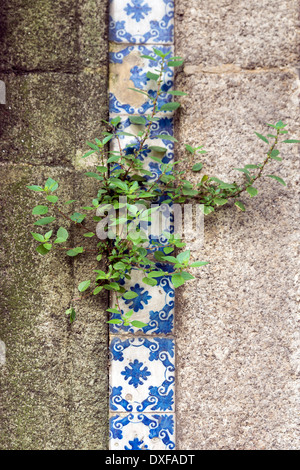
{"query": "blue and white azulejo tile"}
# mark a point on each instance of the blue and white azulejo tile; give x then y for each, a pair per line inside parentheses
(128, 70)
(142, 374)
(138, 431)
(129, 144)
(154, 305)
(141, 21)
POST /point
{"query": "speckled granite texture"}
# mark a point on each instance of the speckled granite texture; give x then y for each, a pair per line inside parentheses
(238, 321)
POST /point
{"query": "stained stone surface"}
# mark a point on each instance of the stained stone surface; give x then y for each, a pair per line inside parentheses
(250, 34)
(238, 323)
(53, 375)
(53, 35)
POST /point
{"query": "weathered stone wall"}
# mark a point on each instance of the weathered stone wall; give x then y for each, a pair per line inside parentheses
(237, 322)
(53, 60)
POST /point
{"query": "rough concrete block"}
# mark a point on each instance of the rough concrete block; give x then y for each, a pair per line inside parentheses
(250, 34)
(35, 379)
(237, 333)
(39, 35)
(38, 122)
(93, 32)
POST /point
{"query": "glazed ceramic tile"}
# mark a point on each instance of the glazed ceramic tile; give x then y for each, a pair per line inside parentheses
(128, 70)
(154, 304)
(141, 21)
(129, 144)
(138, 431)
(142, 374)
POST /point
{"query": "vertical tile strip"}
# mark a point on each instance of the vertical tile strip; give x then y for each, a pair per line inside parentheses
(142, 361)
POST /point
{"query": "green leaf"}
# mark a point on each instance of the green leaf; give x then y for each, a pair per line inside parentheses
(52, 199)
(189, 192)
(170, 106)
(175, 63)
(75, 251)
(115, 121)
(220, 201)
(48, 235)
(168, 250)
(38, 237)
(113, 310)
(177, 280)
(107, 139)
(152, 76)
(93, 146)
(166, 137)
(149, 281)
(184, 256)
(138, 324)
(128, 314)
(274, 153)
(62, 235)
(119, 266)
(48, 246)
(72, 314)
(44, 221)
(156, 274)
(130, 295)
(252, 191)
(262, 137)
(70, 201)
(40, 210)
(280, 125)
(114, 159)
(198, 264)
(177, 93)
(77, 217)
(42, 250)
(240, 205)
(251, 167)
(187, 276)
(161, 53)
(91, 174)
(51, 185)
(190, 148)
(138, 120)
(277, 178)
(102, 169)
(144, 56)
(87, 154)
(170, 259)
(115, 321)
(35, 188)
(207, 210)
(197, 167)
(89, 234)
(84, 286)
(159, 256)
(291, 141)
(157, 148)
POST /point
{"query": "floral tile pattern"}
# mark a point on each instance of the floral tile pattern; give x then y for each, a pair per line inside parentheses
(141, 21)
(153, 306)
(128, 70)
(142, 364)
(142, 374)
(139, 431)
(163, 126)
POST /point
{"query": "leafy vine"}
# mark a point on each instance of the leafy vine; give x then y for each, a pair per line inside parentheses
(128, 199)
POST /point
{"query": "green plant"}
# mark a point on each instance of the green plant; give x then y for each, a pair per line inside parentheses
(126, 200)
